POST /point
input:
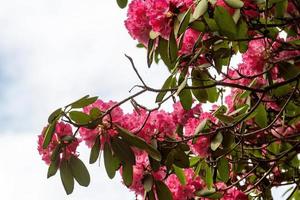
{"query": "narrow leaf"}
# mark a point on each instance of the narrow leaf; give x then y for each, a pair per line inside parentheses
(79, 117)
(162, 191)
(66, 177)
(127, 174)
(95, 151)
(216, 142)
(122, 3)
(225, 22)
(108, 158)
(122, 150)
(180, 174)
(49, 134)
(79, 171)
(200, 9)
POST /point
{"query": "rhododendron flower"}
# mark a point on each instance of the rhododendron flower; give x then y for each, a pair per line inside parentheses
(250, 9)
(187, 191)
(61, 130)
(89, 135)
(142, 168)
(199, 146)
(190, 38)
(232, 193)
(161, 13)
(137, 22)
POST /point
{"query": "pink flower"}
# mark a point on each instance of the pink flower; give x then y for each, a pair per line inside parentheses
(137, 22)
(250, 9)
(234, 194)
(161, 12)
(190, 38)
(116, 115)
(201, 145)
(61, 130)
(187, 191)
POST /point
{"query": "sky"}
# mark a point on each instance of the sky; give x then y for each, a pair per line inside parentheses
(51, 53)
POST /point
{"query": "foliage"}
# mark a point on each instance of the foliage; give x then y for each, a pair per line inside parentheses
(246, 144)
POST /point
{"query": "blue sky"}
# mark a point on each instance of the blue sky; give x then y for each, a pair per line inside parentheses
(51, 53)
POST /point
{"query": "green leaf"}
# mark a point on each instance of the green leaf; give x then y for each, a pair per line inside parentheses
(150, 195)
(200, 9)
(166, 85)
(55, 153)
(211, 23)
(194, 160)
(127, 173)
(66, 177)
(224, 118)
(223, 169)
(208, 177)
(53, 167)
(200, 127)
(184, 22)
(274, 1)
(122, 150)
(95, 151)
(122, 3)
(242, 33)
(216, 141)
(163, 52)
(79, 117)
(280, 8)
(209, 193)
(108, 160)
(181, 159)
(186, 99)
(95, 113)
(49, 134)
(150, 52)
(162, 191)
(288, 70)
(79, 171)
(172, 48)
(56, 114)
(83, 102)
(139, 143)
(148, 182)
(246, 93)
(234, 3)
(198, 26)
(261, 117)
(180, 174)
(225, 22)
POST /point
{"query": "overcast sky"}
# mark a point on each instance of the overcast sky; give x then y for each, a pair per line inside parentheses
(51, 53)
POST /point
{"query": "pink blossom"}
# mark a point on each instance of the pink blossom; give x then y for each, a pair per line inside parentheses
(161, 13)
(201, 145)
(187, 191)
(190, 38)
(61, 130)
(234, 194)
(137, 22)
(250, 9)
(116, 115)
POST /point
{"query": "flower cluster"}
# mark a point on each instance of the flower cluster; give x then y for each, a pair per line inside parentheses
(69, 147)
